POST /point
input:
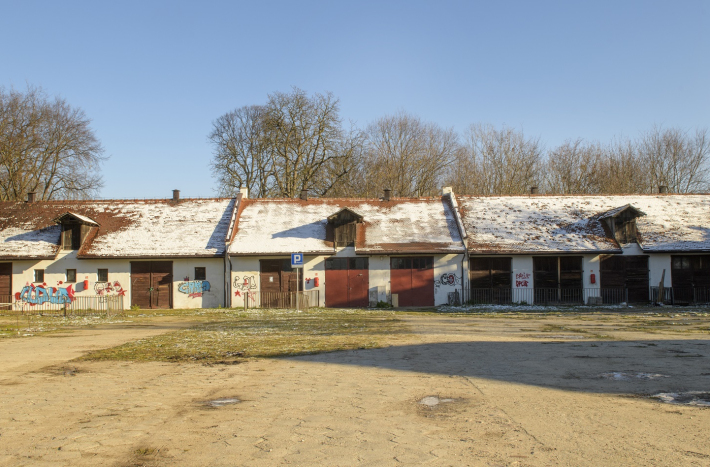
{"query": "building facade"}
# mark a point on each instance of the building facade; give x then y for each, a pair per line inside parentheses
(406, 252)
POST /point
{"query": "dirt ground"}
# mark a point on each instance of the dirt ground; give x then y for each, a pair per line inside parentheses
(460, 390)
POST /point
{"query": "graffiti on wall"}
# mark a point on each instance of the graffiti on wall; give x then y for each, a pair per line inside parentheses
(449, 279)
(244, 285)
(109, 288)
(40, 294)
(522, 279)
(194, 289)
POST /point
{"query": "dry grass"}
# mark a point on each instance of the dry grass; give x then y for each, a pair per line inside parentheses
(264, 333)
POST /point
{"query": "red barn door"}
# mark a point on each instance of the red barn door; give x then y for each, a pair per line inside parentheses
(347, 281)
(412, 279)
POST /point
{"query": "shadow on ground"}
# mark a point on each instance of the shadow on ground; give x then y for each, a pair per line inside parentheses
(630, 367)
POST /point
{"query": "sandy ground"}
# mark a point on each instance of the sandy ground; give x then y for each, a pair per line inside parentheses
(509, 394)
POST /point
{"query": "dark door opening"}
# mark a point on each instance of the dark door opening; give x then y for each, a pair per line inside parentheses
(278, 281)
(5, 285)
(629, 273)
(558, 279)
(490, 280)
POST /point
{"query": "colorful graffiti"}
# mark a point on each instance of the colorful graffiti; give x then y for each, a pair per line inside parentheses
(40, 294)
(244, 285)
(522, 279)
(109, 288)
(194, 288)
(449, 279)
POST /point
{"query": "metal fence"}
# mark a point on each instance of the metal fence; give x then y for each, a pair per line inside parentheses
(79, 306)
(681, 295)
(548, 296)
(297, 300)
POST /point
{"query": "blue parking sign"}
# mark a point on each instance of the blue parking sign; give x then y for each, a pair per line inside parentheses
(296, 260)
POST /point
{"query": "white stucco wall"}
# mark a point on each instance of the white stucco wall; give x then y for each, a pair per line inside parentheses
(448, 277)
(119, 278)
(656, 264)
(86, 269)
(522, 279)
(380, 277)
(245, 276)
(244, 279)
(314, 267)
(189, 293)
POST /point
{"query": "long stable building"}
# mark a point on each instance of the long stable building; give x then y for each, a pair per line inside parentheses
(235, 252)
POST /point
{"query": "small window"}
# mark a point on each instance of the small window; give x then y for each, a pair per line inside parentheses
(401, 263)
(358, 263)
(336, 263)
(71, 239)
(200, 274)
(103, 275)
(71, 275)
(39, 275)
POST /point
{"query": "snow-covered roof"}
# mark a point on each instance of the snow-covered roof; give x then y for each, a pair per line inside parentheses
(83, 219)
(127, 228)
(281, 226)
(545, 223)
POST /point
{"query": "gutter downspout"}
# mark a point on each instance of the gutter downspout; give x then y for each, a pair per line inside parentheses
(227, 259)
(464, 237)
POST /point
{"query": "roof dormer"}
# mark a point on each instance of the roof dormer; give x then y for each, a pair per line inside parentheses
(343, 225)
(621, 222)
(75, 229)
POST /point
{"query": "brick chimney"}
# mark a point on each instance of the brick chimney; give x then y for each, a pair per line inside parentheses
(176, 195)
(31, 196)
(388, 193)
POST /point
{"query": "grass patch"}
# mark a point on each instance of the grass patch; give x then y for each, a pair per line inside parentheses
(264, 333)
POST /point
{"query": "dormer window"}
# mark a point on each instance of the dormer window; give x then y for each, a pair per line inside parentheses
(622, 223)
(343, 225)
(71, 237)
(75, 229)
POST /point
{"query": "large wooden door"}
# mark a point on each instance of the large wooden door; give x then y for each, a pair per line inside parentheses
(347, 282)
(278, 281)
(413, 280)
(5, 284)
(625, 272)
(152, 284)
(690, 277)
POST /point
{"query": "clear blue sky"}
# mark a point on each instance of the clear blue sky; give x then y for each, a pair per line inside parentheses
(153, 76)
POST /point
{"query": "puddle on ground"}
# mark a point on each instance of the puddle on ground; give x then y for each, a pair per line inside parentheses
(561, 336)
(696, 398)
(224, 401)
(433, 401)
(621, 376)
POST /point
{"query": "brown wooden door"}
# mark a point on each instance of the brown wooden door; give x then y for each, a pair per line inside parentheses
(162, 284)
(626, 272)
(5, 284)
(347, 282)
(278, 282)
(413, 280)
(152, 284)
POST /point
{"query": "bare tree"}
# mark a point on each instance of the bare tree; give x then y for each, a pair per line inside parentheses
(241, 152)
(575, 167)
(407, 155)
(292, 143)
(675, 158)
(496, 161)
(309, 148)
(46, 146)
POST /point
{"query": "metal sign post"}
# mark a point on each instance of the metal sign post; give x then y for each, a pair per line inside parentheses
(297, 263)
